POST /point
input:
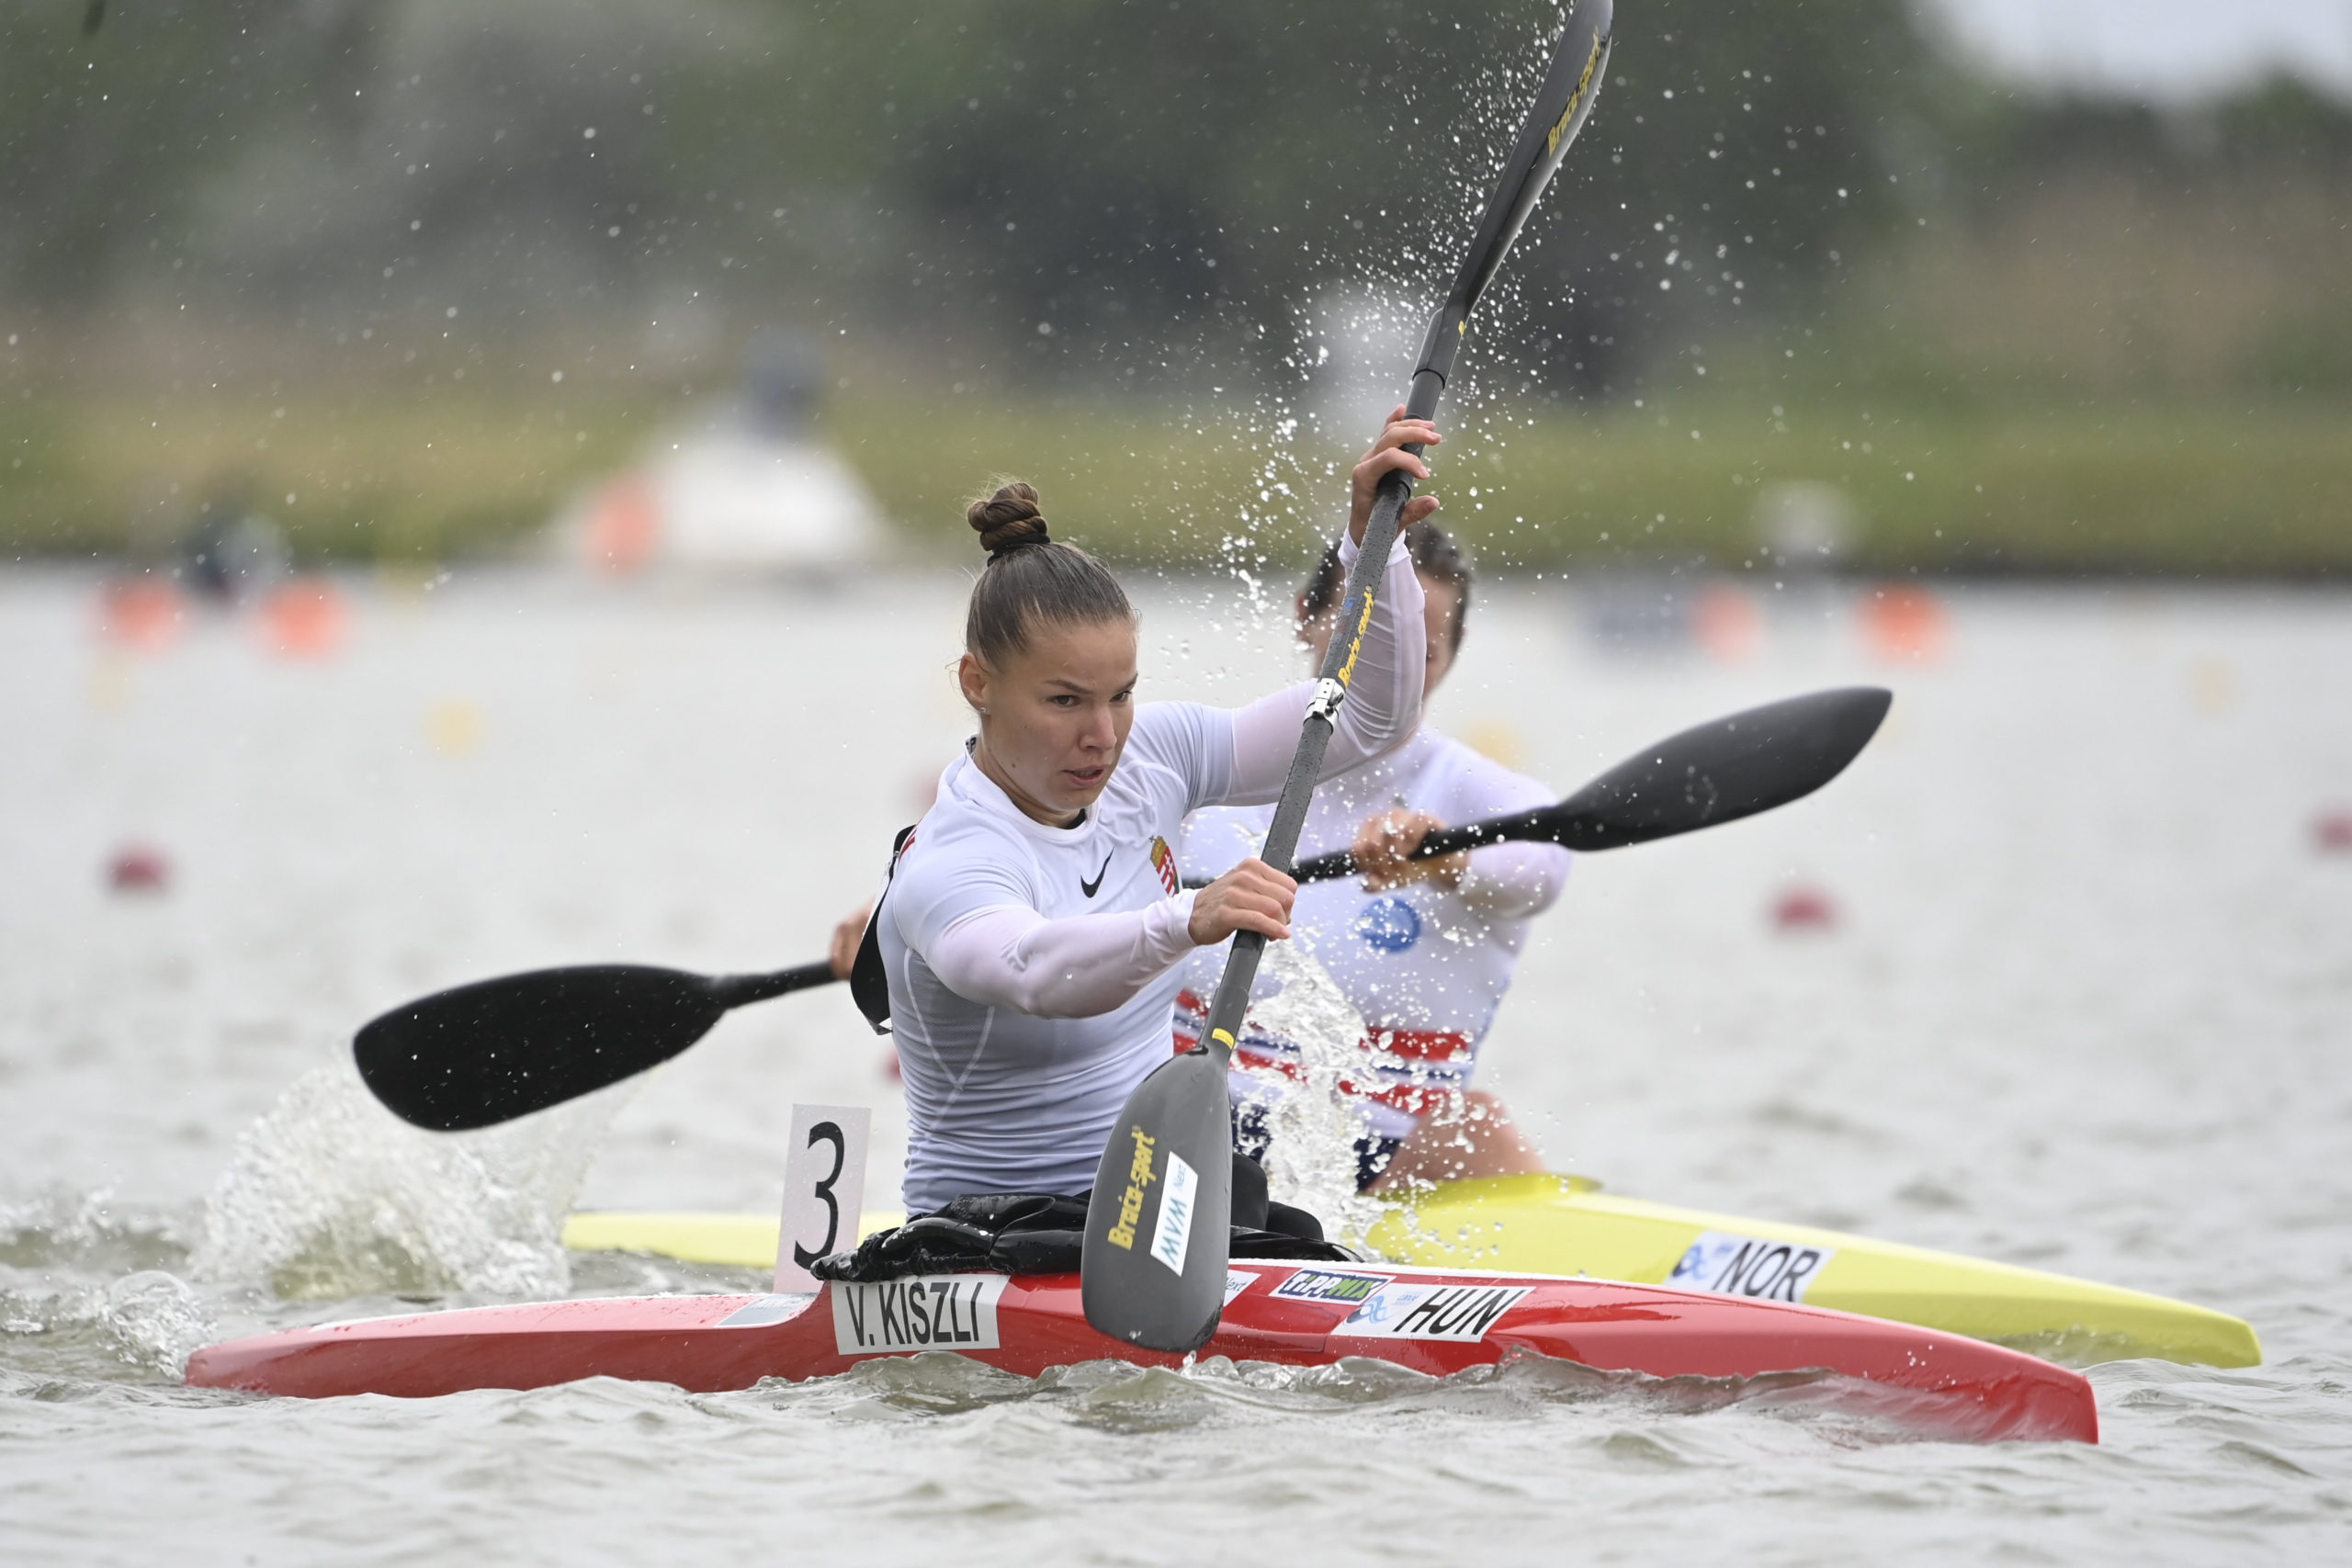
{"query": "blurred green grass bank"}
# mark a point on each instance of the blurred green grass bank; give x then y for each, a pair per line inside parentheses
(2248, 488)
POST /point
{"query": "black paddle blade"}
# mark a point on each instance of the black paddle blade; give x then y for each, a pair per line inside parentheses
(1735, 767)
(1559, 111)
(1720, 772)
(1158, 1222)
(1562, 106)
(490, 1052)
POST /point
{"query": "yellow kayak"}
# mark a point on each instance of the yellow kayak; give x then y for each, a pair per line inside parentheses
(1565, 1225)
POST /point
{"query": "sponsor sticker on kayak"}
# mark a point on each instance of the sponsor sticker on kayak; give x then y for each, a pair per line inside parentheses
(936, 1312)
(1324, 1285)
(1235, 1282)
(1399, 1311)
(1749, 1265)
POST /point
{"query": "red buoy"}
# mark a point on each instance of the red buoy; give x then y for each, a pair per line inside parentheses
(624, 527)
(138, 868)
(1804, 908)
(1727, 623)
(1904, 622)
(144, 612)
(2332, 830)
(304, 618)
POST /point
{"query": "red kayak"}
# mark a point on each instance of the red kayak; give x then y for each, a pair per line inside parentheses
(1431, 1320)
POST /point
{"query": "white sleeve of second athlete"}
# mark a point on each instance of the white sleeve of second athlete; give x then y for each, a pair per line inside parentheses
(1504, 881)
(1384, 692)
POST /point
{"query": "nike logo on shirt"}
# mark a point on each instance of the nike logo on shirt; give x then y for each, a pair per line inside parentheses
(1091, 888)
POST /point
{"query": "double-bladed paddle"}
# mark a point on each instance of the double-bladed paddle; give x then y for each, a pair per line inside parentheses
(479, 1054)
(1157, 1237)
(1714, 772)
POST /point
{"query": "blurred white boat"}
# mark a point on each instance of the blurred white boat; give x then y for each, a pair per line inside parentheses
(741, 493)
(726, 502)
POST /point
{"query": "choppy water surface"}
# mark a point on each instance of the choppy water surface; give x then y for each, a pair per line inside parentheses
(2084, 1004)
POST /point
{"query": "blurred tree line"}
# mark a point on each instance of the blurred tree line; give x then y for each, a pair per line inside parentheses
(413, 271)
(1093, 188)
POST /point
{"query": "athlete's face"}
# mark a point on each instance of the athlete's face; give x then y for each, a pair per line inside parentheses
(1443, 604)
(1055, 716)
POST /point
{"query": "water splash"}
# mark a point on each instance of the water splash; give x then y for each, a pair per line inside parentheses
(1325, 376)
(83, 1233)
(139, 1328)
(1312, 1162)
(329, 1196)
(154, 1321)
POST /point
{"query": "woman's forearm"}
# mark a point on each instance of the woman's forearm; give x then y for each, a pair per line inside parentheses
(1013, 958)
(1383, 693)
(1509, 882)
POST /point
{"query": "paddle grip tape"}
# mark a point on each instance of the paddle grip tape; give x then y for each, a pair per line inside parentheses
(1232, 1000)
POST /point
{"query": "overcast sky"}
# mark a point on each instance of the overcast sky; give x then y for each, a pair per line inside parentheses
(2161, 48)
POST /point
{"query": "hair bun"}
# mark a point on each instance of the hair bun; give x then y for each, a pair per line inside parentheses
(1009, 517)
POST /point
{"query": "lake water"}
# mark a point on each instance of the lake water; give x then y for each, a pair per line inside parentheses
(2084, 1001)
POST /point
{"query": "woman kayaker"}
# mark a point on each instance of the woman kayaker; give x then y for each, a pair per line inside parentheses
(1425, 949)
(1035, 918)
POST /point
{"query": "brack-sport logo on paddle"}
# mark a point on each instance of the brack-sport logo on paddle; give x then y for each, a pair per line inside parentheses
(1122, 1235)
(936, 1312)
(1727, 1265)
(1398, 1311)
(1560, 127)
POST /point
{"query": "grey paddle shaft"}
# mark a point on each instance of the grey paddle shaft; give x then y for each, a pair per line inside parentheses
(1154, 1269)
(1232, 999)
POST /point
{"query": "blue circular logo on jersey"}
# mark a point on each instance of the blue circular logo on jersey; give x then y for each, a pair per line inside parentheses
(1389, 924)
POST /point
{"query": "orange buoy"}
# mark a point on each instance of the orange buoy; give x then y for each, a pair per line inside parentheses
(2332, 830)
(145, 613)
(304, 618)
(1804, 908)
(138, 868)
(1727, 623)
(623, 528)
(1905, 623)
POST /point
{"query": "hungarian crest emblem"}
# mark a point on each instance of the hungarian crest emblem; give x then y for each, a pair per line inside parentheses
(1164, 861)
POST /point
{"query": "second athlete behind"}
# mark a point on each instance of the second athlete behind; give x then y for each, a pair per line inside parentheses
(1424, 949)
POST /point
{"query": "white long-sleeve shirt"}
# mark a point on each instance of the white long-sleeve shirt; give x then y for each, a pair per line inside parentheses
(1032, 968)
(1426, 966)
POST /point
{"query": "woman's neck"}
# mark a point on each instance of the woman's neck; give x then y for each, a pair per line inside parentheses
(996, 773)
